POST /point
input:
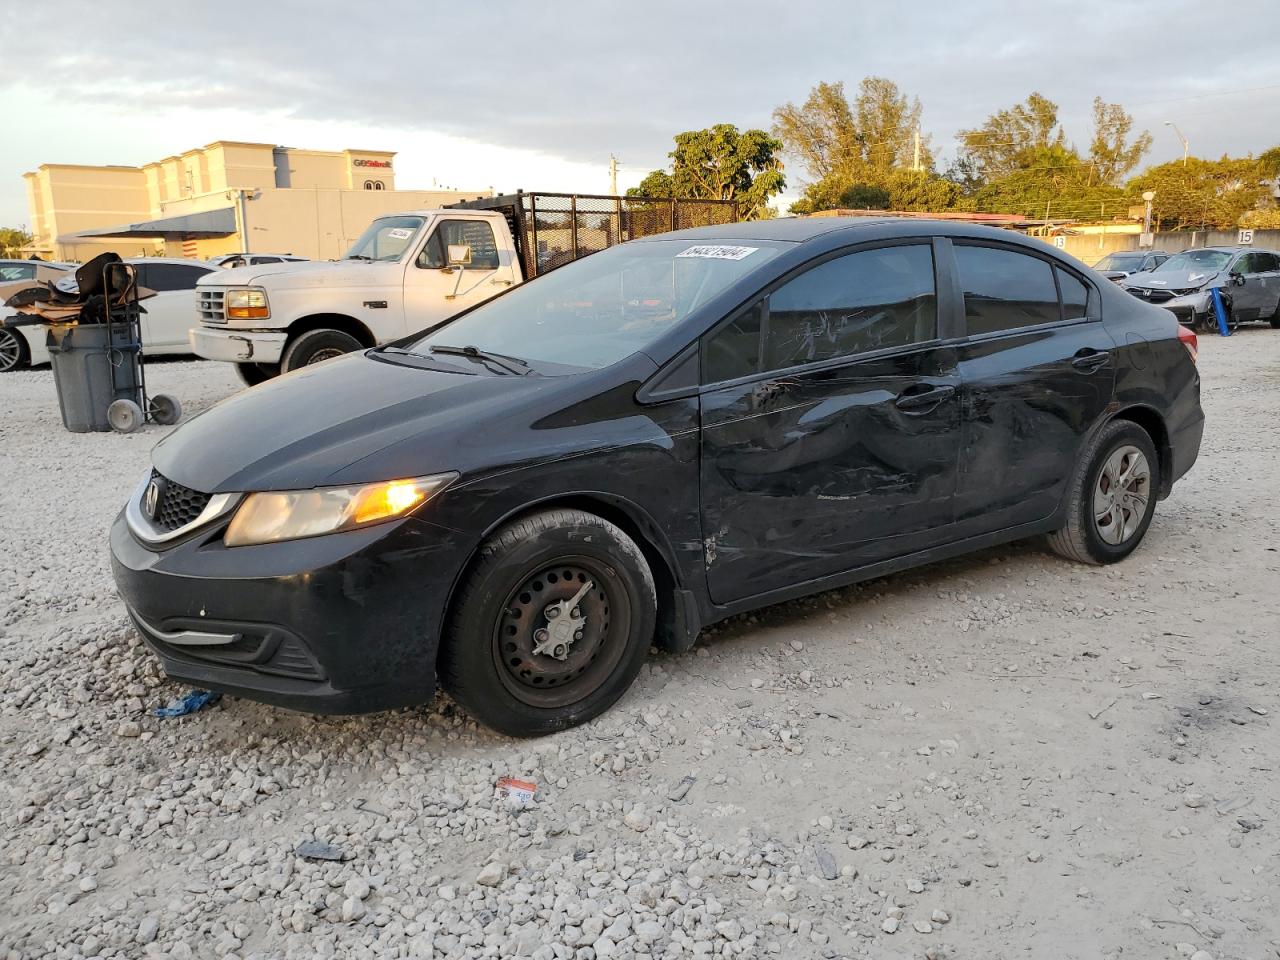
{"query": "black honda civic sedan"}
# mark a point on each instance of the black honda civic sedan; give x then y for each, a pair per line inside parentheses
(521, 501)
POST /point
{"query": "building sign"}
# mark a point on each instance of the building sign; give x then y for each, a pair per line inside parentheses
(373, 163)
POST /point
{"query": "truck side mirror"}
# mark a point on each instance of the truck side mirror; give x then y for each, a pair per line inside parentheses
(459, 254)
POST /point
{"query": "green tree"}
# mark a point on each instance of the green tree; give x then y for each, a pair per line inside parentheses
(12, 239)
(852, 150)
(1203, 193)
(922, 191)
(721, 163)
(1111, 153)
(1008, 139)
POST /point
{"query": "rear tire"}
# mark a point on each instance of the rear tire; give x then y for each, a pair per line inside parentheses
(316, 346)
(13, 351)
(252, 374)
(514, 599)
(1112, 496)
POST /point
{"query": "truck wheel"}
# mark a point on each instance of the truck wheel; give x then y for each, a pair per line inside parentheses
(316, 346)
(1112, 496)
(551, 625)
(253, 374)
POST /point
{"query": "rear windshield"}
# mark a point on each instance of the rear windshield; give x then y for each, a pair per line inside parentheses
(597, 310)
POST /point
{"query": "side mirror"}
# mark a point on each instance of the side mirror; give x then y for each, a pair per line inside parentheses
(1237, 278)
(459, 254)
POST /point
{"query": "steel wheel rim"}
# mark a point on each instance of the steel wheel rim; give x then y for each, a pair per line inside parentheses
(327, 353)
(1121, 495)
(541, 680)
(10, 351)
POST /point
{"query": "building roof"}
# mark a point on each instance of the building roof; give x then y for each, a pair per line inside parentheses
(207, 223)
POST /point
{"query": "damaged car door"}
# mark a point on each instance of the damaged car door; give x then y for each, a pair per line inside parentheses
(830, 423)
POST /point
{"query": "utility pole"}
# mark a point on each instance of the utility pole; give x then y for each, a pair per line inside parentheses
(915, 159)
(613, 175)
(1186, 144)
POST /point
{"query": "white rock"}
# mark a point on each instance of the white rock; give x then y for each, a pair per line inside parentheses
(491, 874)
(638, 818)
(890, 925)
(148, 928)
(352, 909)
(940, 916)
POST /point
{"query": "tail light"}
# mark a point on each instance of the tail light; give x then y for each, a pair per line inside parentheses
(1188, 339)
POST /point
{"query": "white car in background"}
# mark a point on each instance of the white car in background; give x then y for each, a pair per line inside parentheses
(229, 261)
(166, 318)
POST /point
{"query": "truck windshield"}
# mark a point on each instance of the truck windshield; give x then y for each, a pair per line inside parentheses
(597, 310)
(386, 239)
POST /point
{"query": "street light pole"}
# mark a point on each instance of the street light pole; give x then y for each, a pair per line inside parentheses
(1186, 144)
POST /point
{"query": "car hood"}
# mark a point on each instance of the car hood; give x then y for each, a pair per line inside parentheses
(362, 418)
(307, 273)
(319, 425)
(1181, 280)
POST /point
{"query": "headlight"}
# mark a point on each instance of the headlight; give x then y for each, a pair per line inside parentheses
(289, 515)
(247, 303)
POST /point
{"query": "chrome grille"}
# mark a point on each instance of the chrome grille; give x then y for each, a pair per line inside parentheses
(210, 303)
(178, 505)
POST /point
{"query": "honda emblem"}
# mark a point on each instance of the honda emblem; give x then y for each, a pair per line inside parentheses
(151, 498)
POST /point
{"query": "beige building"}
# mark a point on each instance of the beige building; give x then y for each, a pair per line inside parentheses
(222, 198)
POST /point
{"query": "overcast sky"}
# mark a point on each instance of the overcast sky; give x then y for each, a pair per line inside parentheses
(537, 95)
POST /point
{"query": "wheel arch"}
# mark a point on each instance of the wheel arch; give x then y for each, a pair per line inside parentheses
(1151, 421)
(677, 613)
(333, 321)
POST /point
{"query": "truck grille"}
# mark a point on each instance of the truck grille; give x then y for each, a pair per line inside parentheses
(212, 309)
(179, 505)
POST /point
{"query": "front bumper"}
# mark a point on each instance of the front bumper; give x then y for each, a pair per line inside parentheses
(344, 623)
(237, 346)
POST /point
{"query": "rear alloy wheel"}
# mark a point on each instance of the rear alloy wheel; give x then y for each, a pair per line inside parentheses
(317, 346)
(551, 625)
(1112, 496)
(13, 351)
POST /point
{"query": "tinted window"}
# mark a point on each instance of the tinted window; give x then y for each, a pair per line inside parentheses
(864, 301)
(475, 233)
(10, 272)
(1004, 290)
(1244, 264)
(734, 349)
(1266, 262)
(1075, 295)
(169, 276)
(257, 260)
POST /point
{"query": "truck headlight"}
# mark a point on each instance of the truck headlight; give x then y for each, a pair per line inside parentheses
(247, 303)
(293, 514)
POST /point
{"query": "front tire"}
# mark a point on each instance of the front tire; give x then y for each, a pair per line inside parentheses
(316, 346)
(517, 656)
(13, 351)
(252, 374)
(1112, 496)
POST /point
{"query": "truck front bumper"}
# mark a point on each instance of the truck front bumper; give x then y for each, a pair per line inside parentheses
(238, 346)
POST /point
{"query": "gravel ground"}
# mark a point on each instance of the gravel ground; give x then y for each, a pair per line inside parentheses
(1001, 756)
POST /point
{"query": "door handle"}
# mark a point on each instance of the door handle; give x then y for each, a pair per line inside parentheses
(1089, 359)
(923, 397)
(502, 283)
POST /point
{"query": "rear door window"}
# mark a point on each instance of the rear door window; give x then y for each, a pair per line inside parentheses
(1005, 289)
(162, 277)
(1075, 295)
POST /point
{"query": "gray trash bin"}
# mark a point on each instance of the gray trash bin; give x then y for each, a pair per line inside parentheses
(82, 358)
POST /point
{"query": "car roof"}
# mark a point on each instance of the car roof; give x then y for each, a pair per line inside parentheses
(836, 231)
(54, 264)
(138, 261)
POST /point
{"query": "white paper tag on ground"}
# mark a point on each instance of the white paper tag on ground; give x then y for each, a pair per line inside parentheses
(718, 252)
(519, 793)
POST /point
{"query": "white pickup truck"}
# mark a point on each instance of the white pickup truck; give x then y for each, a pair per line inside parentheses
(409, 271)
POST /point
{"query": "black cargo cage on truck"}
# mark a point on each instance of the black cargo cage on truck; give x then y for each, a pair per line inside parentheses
(561, 227)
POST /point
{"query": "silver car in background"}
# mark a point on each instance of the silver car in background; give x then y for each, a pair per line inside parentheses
(1248, 278)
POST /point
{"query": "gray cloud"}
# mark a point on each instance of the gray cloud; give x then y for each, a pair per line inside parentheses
(580, 80)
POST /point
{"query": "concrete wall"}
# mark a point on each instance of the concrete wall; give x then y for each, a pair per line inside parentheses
(1092, 248)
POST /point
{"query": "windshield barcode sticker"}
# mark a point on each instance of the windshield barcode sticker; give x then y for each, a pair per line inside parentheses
(399, 233)
(718, 252)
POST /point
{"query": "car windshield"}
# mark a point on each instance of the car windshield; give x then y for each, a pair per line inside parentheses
(595, 311)
(1119, 261)
(1195, 261)
(386, 239)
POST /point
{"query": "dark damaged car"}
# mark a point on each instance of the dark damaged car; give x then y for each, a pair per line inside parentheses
(521, 502)
(1247, 279)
